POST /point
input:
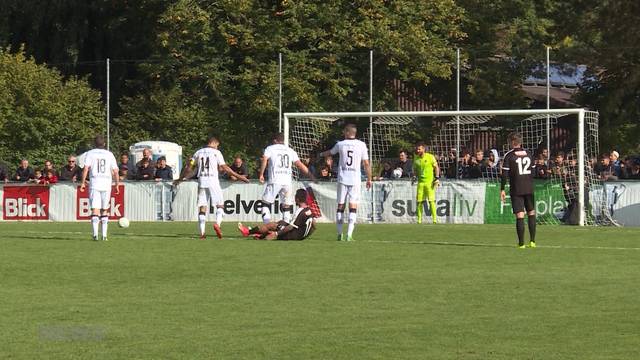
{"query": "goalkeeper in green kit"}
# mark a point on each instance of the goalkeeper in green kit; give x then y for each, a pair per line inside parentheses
(427, 174)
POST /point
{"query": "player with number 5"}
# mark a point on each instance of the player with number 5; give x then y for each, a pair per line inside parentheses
(517, 167)
(352, 152)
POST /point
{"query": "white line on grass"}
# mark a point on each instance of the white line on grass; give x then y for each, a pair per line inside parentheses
(495, 245)
(447, 243)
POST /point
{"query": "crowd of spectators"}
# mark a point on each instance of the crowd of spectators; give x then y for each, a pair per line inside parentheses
(479, 164)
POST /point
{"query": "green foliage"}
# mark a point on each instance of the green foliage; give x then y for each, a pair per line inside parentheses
(43, 116)
(222, 60)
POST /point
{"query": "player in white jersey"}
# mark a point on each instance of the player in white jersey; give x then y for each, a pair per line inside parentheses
(102, 168)
(352, 153)
(278, 158)
(207, 162)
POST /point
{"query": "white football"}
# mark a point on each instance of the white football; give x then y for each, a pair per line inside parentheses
(397, 173)
(123, 222)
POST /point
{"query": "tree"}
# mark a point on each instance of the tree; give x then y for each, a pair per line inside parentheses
(43, 116)
(221, 59)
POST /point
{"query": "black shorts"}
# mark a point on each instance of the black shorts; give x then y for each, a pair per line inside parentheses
(281, 225)
(521, 202)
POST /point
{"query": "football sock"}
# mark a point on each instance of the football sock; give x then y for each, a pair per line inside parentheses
(532, 227)
(105, 221)
(520, 231)
(287, 213)
(339, 215)
(201, 222)
(419, 210)
(266, 213)
(432, 205)
(353, 216)
(219, 213)
(95, 220)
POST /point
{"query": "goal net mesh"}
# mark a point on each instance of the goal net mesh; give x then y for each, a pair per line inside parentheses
(469, 148)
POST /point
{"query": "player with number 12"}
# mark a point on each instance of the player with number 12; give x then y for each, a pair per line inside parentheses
(517, 168)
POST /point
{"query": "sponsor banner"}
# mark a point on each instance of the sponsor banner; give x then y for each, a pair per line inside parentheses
(457, 202)
(25, 202)
(549, 203)
(116, 208)
(623, 202)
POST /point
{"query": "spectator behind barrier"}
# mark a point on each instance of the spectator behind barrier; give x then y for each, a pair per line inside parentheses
(616, 165)
(48, 165)
(325, 173)
(405, 164)
(125, 171)
(163, 171)
(463, 165)
(37, 176)
(48, 178)
(475, 164)
(541, 170)
(24, 173)
(71, 171)
(4, 177)
(146, 154)
(239, 167)
(558, 168)
(145, 171)
(386, 173)
(604, 170)
(491, 165)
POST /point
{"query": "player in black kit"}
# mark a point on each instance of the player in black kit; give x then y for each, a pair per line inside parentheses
(517, 166)
(302, 226)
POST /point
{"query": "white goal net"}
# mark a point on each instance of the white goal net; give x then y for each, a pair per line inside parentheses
(469, 146)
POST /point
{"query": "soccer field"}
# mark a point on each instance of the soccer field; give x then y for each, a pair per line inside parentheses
(155, 291)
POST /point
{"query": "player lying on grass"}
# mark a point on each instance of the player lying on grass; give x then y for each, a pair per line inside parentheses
(302, 226)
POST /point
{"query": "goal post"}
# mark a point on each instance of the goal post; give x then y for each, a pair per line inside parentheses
(572, 131)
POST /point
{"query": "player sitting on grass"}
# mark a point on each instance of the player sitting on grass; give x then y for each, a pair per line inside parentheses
(302, 226)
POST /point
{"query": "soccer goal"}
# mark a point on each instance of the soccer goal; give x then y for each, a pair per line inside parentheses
(469, 146)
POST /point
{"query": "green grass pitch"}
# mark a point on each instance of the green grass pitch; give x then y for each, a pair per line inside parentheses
(155, 291)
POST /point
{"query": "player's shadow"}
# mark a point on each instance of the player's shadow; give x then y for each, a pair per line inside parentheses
(44, 237)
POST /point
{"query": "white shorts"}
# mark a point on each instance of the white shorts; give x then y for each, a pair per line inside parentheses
(351, 191)
(99, 199)
(209, 197)
(273, 190)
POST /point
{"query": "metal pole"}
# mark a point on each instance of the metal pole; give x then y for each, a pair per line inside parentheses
(457, 109)
(581, 168)
(108, 102)
(548, 104)
(373, 203)
(279, 92)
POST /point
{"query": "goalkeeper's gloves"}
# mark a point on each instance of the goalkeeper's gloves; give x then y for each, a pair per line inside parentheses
(436, 182)
(413, 180)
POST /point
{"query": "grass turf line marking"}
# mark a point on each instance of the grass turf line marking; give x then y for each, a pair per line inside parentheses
(447, 243)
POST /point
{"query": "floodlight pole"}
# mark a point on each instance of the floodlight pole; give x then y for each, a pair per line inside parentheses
(548, 104)
(108, 102)
(279, 92)
(457, 109)
(373, 203)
